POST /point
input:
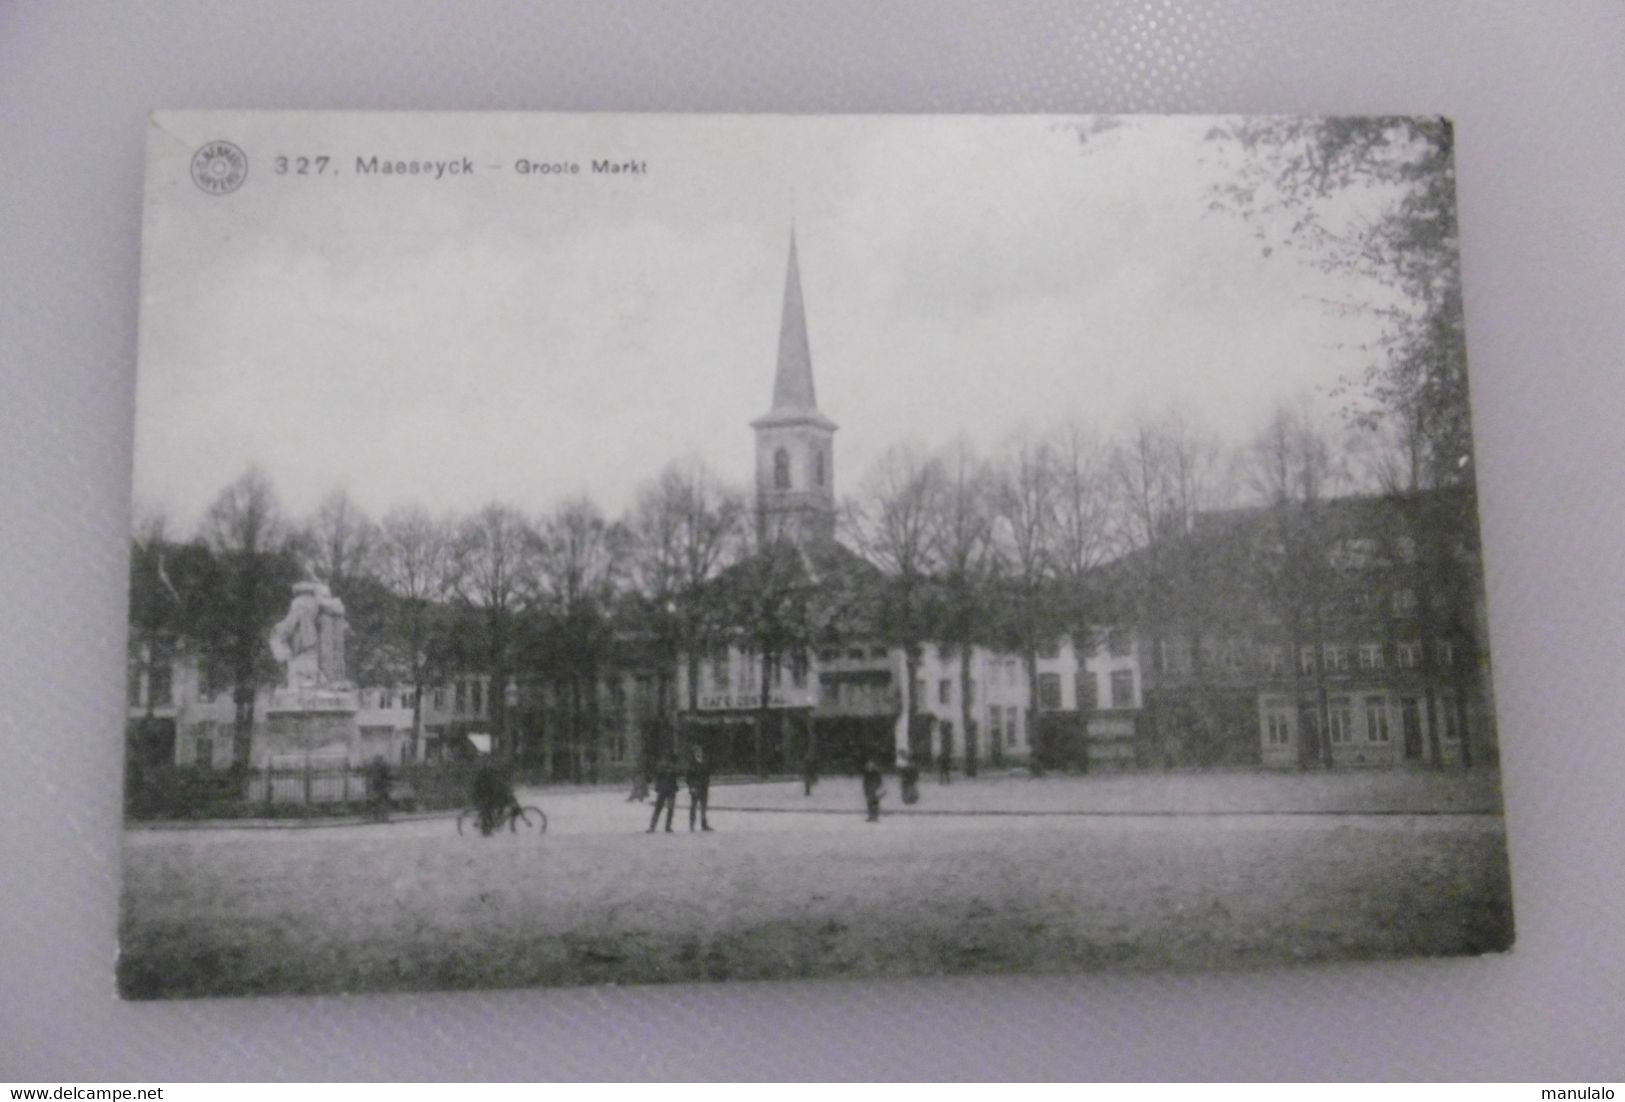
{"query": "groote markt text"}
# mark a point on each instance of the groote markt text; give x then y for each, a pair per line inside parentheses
(322, 164)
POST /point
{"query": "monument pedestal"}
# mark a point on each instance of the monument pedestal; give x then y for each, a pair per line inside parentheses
(314, 722)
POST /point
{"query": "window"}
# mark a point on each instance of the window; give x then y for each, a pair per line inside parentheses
(719, 672)
(1235, 654)
(874, 652)
(440, 698)
(476, 696)
(920, 694)
(1447, 654)
(1012, 725)
(855, 654)
(1408, 655)
(829, 656)
(160, 684)
(781, 470)
(1404, 602)
(945, 691)
(1117, 643)
(1122, 688)
(1376, 718)
(1339, 720)
(462, 695)
(818, 466)
(995, 725)
(1449, 720)
(798, 669)
(829, 689)
(1371, 656)
(1049, 692)
(1088, 690)
(1274, 659)
(1277, 726)
(203, 752)
(1049, 650)
(1306, 659)
(1336, 657)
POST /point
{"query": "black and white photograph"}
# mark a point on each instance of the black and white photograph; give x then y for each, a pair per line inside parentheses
(576, 549)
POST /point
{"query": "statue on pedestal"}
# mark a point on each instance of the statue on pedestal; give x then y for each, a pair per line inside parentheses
(309, 640)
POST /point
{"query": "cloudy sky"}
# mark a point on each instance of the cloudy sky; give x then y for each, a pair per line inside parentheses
(529, 337)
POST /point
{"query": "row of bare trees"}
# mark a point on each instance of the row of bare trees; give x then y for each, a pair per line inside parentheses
(1009, 551)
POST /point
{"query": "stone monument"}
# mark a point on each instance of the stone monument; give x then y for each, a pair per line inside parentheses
(314, 710)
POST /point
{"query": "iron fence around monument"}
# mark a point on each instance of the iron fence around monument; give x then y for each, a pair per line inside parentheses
(290, 786)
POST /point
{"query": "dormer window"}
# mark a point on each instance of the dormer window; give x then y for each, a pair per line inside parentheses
(781, 470)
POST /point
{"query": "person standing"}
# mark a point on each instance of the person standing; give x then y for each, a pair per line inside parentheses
(379, 782)
(945, 758)
(809, 773)
(908, 777)
(699, 789)
(665, 793)
(872, 790)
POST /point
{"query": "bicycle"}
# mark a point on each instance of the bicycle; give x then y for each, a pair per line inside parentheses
(531, 818)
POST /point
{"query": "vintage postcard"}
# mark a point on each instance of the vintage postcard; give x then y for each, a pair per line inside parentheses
(577, 549)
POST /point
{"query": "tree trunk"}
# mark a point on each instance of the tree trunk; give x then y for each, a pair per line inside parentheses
(764, 712)
(1035, 735)
(964, 685)
(595, 724)
(575, 728)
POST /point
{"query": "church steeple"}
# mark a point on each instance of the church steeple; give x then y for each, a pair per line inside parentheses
(793, 382)
(795, 458)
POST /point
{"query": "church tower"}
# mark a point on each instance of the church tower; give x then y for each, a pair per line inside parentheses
(795, 454)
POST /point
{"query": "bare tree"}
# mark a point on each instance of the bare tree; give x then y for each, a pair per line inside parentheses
(892, 521)
(493, 573)
(1026, 500)
(1289, 466)
(580, 559)
(965, 551)
(1168, 473)
(342, 540)
(1081, 540)
(244, 528)
(769, 591)
(414, 559)
(681, 529)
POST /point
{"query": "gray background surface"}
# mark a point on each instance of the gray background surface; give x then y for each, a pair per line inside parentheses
(1538, 93)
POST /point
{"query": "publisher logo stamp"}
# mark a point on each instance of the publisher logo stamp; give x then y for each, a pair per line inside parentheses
(219, 168)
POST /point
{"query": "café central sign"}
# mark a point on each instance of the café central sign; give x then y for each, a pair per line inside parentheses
(778, 698)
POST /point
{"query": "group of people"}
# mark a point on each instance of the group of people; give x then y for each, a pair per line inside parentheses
(493, 794)
(874, 785)
(698, 778)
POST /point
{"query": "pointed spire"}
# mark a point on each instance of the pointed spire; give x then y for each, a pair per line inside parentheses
(793, 382)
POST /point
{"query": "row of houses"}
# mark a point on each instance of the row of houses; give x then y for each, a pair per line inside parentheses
(1117, 705)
